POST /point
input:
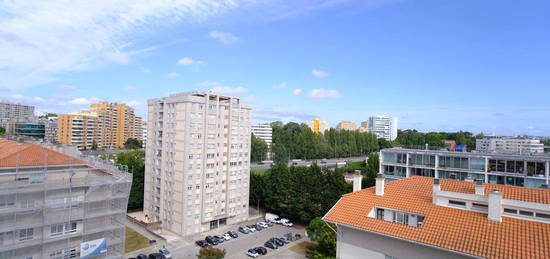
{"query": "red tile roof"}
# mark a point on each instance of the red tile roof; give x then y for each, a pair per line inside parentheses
(453, 229)
(14, 154)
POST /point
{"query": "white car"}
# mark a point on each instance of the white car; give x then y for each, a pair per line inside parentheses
(226, 236)
(283, 220)
(263, 224)
(252, 253)
(252, 229)
(287, 224)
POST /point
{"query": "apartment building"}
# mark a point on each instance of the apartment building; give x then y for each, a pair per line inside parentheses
(346, 125)
(364, 126)
(197, 164)
(423, 218)
(509, 145)
(263, 131)
(144, 133)
(494, 168)
(59, 205)
(383, 126)
(80, 129)
(108, 125)
(10, 110)
(318, 126)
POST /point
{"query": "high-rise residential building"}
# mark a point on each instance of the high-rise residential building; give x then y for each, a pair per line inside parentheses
(60, 205)
(108, 125)
(318, 126)
(265, 133)
(383, 126)
(80, 129)
(495, 168)
(9, 111)
(509, 145)
(197, 166)
(50, 129)
(346, 125)
(364, 126)
(144, 133)
(425, 218)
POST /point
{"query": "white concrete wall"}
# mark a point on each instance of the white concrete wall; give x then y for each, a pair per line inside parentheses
(360, 244)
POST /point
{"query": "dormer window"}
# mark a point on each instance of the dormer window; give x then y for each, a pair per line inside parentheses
(398, 216)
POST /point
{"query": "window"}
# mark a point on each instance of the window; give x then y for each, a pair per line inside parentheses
(400, 217)
(543, 215)
(379, 213)
(26, 234)
(60, 229)
(510, 211)
(480, 206)
(64, 253)
(526, 213)
(457, 203)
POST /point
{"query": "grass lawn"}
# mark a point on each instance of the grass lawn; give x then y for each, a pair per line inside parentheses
(259, 171)
(134, 241)
(301, 247)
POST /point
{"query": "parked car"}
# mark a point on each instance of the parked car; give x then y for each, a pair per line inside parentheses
(277, 241)
(212, 240)
(284, 220)
(258, 226)
(142, 256)
(262, 224)
(261, 250)
(271, 245)
(166, 253)
(201, 243)
(284, 239)
(252, 253)
(220, 238)
(269, 223)
(244, 230)
(227, 236)
(269, 217)
(276, 220)
(156, 256)
(287, 224)
(233, 234)
(252, 228)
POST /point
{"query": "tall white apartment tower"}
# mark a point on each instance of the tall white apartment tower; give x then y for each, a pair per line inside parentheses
(383, 126)
(197, 165)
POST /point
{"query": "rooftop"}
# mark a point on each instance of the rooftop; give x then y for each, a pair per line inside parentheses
(14, 154)
(439, 151)
(462, 231)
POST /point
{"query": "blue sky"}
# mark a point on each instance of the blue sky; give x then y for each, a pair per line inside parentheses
(482, 66)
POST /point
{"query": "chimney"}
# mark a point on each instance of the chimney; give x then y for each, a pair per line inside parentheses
(495, 205)
(480, 189)
(435, 188)
(380, 184)
(357, 182)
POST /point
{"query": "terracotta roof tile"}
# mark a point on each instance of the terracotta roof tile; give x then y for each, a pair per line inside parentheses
(14, 154)
(454, 229)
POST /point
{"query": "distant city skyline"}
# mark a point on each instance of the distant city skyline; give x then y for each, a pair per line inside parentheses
(435, 65)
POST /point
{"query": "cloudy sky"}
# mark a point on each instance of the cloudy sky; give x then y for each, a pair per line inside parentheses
(482, 66)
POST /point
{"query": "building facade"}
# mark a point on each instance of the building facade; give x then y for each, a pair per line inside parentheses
(197, 164)
(263, 131)
(108, 125)
(318, 126)
(424, 218)
(364, 126)
(495, 168)
(383, 126)
(16, 111)
(54, 205)
(509, 145)
(346, 125)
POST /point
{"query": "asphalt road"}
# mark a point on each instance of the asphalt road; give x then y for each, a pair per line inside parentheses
(329, 162)
(236, 248)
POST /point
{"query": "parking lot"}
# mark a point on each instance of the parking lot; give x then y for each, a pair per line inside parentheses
(236, 248)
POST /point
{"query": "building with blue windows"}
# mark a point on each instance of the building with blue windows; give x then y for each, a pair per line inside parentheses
(489, 167)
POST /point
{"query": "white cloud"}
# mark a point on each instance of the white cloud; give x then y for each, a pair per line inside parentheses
(186, 61)
(281, 85)
(41, 39)
(220, 88)
(129, 88)
(133, 103)
(319, 73)
(172, 75)
(83, 100)
(66, 88)
(297, 91)
(324, 93)
(224, 37)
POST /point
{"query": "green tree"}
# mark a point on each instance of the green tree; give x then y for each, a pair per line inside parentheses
(133, 143)
(211, 253)
(94, 145)
(373, 167)
(134, 160)
(324, 237)
(2, 130)
(383, 143)
(259, 149)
